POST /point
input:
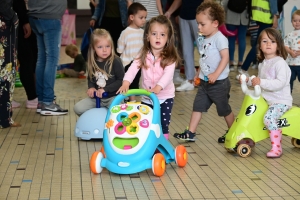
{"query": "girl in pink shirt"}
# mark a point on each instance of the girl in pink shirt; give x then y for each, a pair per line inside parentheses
(156, 60)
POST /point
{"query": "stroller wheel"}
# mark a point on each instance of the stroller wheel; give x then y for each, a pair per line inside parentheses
(158, 164)
(95, 162)
(180, 156)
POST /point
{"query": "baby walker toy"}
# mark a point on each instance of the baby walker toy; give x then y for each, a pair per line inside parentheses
(249, 128)
(90, 124)
(131, 136)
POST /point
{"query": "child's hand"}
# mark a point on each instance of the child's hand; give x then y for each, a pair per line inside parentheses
(124, 88)
(297, 53)
(255, 81)
(90, 92)
(155, 90)
(293, 53)
(240, 79)
(212, 78)
(100, 92)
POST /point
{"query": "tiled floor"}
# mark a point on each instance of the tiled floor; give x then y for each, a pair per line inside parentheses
(43, 159)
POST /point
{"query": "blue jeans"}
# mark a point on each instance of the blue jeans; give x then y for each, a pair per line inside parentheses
(242, 30)
(252, 53)
(48, 34)
(295, 71)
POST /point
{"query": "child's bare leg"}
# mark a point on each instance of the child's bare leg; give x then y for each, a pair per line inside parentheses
(132, 99)
(194, 121)
(229, 119)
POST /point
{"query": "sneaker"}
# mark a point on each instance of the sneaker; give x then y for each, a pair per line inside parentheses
(15, 104)
(254, 66)
(53, 109)
(231, 68)
(39, 107)
(32, 103)
(178, 80)
(185, 85)
(186, 136)
(222, 138)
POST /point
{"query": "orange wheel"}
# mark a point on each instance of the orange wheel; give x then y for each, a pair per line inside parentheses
(103, 152)
(180, 156)
(158, 164)
(95, 162)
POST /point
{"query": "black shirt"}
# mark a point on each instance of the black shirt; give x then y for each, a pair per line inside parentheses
(188, 9)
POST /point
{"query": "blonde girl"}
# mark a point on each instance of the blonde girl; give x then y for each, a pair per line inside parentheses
(105, 72)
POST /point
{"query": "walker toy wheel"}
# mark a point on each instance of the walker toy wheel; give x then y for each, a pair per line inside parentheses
(103, 152)
(244, 150)
(158, 164)
(95, 162)
(295, 142)
(180, 156)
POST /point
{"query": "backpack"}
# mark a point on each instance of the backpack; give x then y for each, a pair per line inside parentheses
(85, 43)
(237, 6)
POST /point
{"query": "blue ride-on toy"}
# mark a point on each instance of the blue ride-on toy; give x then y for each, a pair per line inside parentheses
(131, 136)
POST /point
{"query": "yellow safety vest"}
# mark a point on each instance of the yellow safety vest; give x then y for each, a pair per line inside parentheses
(261, 11)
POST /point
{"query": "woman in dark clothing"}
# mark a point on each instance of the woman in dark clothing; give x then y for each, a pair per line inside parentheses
(27, 54)
(8, 57)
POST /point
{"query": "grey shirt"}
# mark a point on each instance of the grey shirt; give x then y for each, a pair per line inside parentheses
(47, 9)
(234, 18)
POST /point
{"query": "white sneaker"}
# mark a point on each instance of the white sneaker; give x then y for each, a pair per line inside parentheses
(254, 66)
(178, 80)
(186, 85)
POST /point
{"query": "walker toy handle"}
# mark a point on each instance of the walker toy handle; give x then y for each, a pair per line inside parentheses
(98, 102)
(136, 92)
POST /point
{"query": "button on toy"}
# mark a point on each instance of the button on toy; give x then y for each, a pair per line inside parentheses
(131, 137)
(249, 128)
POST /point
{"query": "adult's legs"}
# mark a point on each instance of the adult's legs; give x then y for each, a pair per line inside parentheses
(189, 34)
(252, 53)
(242, 31)
(48, 34)
(231, 42)
(7, 70)
(27, 55)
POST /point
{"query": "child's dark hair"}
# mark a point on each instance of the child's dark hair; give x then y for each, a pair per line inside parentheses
(214, 11)
(275, 35)
(169, 54)
(134, 8)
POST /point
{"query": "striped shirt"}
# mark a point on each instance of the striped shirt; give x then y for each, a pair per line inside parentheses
(151, 7)
(130, 43)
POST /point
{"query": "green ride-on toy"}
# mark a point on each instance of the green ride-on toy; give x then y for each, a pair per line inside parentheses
(248, 127)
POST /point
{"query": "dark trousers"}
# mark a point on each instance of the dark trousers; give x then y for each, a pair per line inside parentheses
(27, 55)
(8, 35)
(295, 71)
(136, 81)
(165, 114)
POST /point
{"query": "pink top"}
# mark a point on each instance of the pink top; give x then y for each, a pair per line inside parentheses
(154, 75)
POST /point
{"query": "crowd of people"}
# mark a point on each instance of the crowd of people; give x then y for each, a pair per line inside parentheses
(144, 41)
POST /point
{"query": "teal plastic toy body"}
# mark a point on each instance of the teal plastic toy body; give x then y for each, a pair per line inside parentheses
(248, 127)
(131, 137)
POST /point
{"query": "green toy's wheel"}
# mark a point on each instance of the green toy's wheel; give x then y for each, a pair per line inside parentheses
(295, 142)
(244, 150)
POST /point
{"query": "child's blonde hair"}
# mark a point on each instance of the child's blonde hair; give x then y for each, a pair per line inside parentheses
(214, 11)
(169, 54)
(275, 35)
(296, 12)
(70, 49)
(100, 34)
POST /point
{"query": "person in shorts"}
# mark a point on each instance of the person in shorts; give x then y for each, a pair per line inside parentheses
(214, 69)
